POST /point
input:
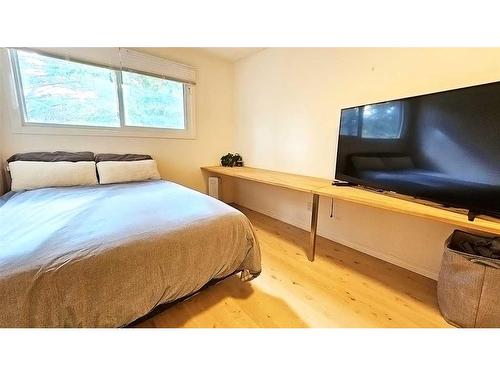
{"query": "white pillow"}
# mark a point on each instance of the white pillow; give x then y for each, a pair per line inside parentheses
(28, 175)
(111, 172)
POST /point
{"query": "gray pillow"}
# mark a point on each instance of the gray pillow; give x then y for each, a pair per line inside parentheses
(398, 162)
(363, 163)
(53, 156)
(121, 157)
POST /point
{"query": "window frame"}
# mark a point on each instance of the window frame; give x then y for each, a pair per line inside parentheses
(360, 121)
(27, 127)
(401, 120)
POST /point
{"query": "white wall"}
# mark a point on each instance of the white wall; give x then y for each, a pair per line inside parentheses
(178, 159)
(287, 110)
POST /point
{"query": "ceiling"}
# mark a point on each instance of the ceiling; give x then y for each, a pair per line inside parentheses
(230, 53)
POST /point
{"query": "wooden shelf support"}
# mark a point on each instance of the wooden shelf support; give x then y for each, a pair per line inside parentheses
(314, 227)
(323, 187)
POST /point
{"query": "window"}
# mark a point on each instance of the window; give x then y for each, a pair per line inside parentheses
(349, 121)
(383, 120)
(153, 102)
(55, 92)
(377, 121)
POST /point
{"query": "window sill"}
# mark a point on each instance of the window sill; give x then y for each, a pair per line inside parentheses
(131, 132)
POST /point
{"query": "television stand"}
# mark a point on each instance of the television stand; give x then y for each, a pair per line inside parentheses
(388, 201)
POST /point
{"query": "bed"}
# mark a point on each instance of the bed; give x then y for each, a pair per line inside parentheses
(106, 255)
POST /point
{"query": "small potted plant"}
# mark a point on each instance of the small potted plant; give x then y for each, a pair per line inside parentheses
(231, 160)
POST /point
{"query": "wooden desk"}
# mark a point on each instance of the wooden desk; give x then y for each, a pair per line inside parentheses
(323, 187)
(409, 206)
(285, 180)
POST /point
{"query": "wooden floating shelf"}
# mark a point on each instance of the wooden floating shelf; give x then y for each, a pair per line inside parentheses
(285, 180)
(408, 207)
(323, 187)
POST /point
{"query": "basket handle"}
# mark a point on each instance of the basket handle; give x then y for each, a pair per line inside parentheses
(485, 262)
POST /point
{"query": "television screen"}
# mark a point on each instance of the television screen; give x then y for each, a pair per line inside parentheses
(443, 147)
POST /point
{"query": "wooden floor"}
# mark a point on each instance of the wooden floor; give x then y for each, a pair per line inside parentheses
(341, 288)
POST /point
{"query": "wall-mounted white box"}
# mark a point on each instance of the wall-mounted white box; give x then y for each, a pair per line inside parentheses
(213, 187)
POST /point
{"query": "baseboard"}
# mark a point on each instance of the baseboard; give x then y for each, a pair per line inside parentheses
(385, 257)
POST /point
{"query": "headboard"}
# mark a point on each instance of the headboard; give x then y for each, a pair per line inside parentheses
(4, 178)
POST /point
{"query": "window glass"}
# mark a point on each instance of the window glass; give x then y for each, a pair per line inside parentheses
(153, 102)
(383, 120)
(349, 122)
(57, 91)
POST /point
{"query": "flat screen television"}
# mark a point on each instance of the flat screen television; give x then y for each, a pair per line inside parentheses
(443, 147)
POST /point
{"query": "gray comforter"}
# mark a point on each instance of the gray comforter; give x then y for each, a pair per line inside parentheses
(106, 255)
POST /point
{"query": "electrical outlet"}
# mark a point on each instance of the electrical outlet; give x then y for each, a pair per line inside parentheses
(309, 206)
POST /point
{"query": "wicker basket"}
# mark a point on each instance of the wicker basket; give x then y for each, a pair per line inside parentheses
(468, 288)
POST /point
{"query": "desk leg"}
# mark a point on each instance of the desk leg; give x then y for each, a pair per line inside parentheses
(314, 226)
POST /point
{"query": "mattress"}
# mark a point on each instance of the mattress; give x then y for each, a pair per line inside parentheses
(103, 256)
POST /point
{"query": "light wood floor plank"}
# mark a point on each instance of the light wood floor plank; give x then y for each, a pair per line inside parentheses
(341, 288)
